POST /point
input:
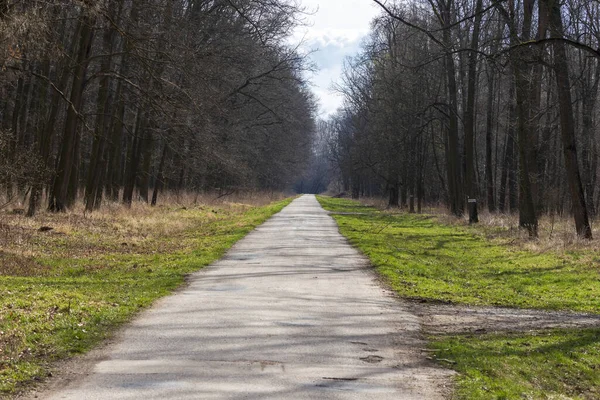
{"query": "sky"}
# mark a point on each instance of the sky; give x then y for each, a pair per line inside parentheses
(335, 30)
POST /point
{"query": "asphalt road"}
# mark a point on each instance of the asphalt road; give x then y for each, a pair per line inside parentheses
(291, 312)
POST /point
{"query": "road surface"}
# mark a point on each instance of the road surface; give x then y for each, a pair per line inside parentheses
(291, 312)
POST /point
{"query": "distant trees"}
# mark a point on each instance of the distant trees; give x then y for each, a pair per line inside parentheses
(122, 99)
(494, 101)
(319, 174)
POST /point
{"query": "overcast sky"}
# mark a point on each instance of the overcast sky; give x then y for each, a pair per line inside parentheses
(335, 30)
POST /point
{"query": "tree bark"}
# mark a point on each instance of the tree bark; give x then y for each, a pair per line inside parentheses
(588, 155)
(452, 151)
(160, 176)
(93, 190)
(518, 58)
(394, 197)
(46, 133)
(489, 173)
(146, 154)
(469, 115)
(131, 170)
(567, 123)
(66, 166)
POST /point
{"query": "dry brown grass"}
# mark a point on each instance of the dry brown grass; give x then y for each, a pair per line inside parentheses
(97, 270)
(556, 232)
(237, 199)
(114, 229)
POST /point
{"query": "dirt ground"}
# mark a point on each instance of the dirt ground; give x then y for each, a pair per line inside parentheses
(457, 319)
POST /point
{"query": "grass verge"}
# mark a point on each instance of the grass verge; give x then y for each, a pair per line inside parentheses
(421, 258)
(62, 291)
(556, 364)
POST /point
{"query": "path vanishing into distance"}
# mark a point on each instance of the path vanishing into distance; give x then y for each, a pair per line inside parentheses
(291, 312)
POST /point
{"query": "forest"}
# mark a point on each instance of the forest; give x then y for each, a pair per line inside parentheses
(150, 149)
(120, 100)
(484, 104)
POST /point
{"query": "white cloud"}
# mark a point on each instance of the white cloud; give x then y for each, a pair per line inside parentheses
(336, 31)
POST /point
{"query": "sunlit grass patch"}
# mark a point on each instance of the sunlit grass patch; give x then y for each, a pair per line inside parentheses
(63, 290)
(424, 259)
(557, 364)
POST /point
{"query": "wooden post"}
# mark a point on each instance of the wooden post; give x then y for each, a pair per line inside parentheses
(473, 214)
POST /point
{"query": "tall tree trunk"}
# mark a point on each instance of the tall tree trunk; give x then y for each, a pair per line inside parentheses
(66, 165)
(48, 129)
(457, 202)
(131, 171)
(146, 154)
(74, 177)
(39, 146)
(422, 162)
(534, 103)
(394, 195)
(93, 189)
(503, 179)
(355, 186)
(403, 186)
(160, 176)
(567, 123)
(527, 211)
(115, 151)
(588, 154)
(489, 130)
(14, 133)
(469, 116)
(519, 60)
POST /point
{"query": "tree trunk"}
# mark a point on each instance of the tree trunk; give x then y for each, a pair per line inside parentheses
(113, 174)
(403, 194)
(93, 190)
(355, 187)
(519, 60)
(146, 150)
(534, 103)
(394, 197)
(513, 179)
(469, 115)
(527, 210)
(489, 132)
(567, 123)
(160, 176)
(453, 150)
(66, 166)
(47, 133)
(131, 170)
(115, 151)
(588, 154)
(14, 133)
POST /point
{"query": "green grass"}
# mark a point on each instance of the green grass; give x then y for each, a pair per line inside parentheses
(59, 303)
(557, 364)
(424, 259)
